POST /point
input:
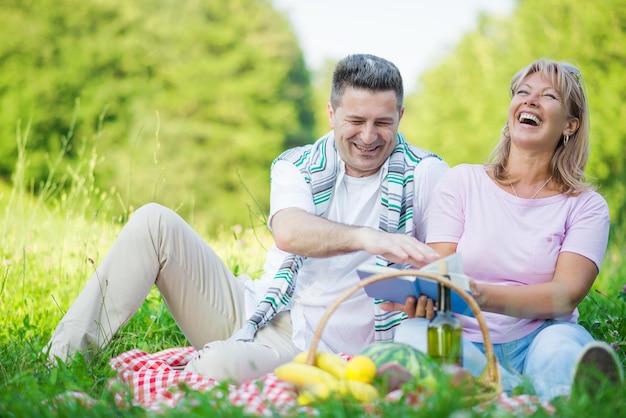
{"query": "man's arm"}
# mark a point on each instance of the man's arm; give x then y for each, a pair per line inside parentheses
(299, 232)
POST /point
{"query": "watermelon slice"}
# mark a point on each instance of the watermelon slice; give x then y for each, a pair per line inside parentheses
(419, 364)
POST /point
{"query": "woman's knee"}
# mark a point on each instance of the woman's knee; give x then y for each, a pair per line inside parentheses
(560, 335)
(556, 345)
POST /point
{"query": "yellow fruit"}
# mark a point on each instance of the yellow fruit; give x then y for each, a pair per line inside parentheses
(360, 391)
(361, 369)
(317, 392)
(303, 374)
(301, 357)
(332, 363)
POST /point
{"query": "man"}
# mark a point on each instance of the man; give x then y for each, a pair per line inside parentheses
(357, 195)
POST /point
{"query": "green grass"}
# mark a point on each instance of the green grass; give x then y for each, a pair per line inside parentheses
(48, 250)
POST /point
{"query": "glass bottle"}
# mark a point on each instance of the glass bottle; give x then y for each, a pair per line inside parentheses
(444, 330)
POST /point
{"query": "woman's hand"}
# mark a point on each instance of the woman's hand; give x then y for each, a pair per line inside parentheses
(477, 294)
(423, 307)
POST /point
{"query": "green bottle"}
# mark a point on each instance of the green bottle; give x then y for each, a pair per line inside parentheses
(444, 332)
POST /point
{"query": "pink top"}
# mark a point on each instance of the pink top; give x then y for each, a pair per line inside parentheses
(513, 241)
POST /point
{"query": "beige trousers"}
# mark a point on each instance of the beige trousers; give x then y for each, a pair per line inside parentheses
(157, 247)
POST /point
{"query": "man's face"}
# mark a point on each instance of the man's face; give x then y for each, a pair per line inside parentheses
(366, 127)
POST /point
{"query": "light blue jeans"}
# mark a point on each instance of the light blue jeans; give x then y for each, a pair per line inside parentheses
(546, 357)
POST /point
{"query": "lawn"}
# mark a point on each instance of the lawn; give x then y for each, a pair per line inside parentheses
(49, 248)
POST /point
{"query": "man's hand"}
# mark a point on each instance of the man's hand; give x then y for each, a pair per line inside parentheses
(423, 307)
(397, 248)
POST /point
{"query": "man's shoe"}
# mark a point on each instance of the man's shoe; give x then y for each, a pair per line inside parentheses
(597, 366)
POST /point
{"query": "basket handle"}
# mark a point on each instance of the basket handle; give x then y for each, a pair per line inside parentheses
(489, 377)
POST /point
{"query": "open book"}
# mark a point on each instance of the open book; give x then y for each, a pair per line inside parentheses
(397, 289)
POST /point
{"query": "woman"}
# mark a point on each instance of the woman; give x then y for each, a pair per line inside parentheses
(532, 235)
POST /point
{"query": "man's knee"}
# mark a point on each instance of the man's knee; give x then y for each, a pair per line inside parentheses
(149, 211)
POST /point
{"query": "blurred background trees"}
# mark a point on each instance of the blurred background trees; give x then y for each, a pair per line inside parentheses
(187, 103)
(462, 102)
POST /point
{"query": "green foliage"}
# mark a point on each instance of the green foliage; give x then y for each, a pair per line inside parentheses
(187, 103)
(322, 82)
(461, 105)
(603, 312)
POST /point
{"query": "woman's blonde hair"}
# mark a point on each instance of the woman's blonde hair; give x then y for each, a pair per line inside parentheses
(571, 154)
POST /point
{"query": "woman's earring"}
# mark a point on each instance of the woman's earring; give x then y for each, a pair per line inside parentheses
(565, 140)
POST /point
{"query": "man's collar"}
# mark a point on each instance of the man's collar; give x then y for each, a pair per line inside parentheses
(382, 172)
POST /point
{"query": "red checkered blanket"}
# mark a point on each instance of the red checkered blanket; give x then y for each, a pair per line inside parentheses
(156, 382)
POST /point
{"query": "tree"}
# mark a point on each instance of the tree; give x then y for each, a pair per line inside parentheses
(187, 103)
(461, 104)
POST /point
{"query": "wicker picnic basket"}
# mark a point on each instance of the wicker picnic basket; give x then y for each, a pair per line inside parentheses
(489, 381)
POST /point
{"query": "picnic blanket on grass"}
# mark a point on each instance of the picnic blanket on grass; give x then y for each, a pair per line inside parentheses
(157, 383)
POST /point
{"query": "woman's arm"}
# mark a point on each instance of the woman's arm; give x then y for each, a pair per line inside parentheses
(573, 277)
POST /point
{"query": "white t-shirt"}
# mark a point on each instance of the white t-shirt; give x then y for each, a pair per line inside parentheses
(355, 201)
(511, 241)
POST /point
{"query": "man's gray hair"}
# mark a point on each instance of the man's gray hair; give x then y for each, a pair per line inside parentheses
(364, 71)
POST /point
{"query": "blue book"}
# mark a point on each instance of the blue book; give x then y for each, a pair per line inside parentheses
(397, 289)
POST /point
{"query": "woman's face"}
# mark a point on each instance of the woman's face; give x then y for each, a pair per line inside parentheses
(538, 117)
(366, 127)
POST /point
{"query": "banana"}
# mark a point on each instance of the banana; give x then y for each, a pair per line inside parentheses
(325, 379)
(303, 374)
(314, 393)
(360, 391)
(332, 363)
(301, 357)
